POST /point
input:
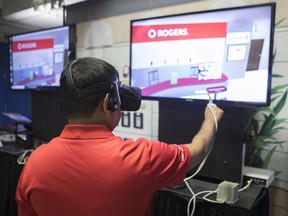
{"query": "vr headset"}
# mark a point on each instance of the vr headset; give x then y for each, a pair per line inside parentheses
(125, 97)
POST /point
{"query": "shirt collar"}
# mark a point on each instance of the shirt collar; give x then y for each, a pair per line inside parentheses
(85, 131)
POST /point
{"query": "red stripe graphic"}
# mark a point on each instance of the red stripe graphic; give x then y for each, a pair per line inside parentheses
(178, 32)
(29, 45)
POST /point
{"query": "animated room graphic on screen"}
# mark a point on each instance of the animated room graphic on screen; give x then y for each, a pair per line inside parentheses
(38, 68)
(37, 58)
(221, 53)
(190, 67)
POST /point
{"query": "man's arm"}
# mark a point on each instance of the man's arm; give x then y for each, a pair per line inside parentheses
(203, 141)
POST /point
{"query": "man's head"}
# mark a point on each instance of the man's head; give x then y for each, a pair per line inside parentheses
(87, 72)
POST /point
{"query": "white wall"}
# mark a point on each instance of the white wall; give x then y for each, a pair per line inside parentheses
(279, 161)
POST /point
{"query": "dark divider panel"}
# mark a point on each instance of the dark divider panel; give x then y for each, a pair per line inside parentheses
(180, 121)
(11, 101)
(47, 116)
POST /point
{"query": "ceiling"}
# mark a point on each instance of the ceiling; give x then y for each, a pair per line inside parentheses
(30, 18)
(19, 16)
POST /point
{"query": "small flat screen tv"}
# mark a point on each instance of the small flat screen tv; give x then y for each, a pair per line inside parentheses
(37, 58)
(225, 54)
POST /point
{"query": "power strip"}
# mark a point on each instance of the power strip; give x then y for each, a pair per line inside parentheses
(258, 176)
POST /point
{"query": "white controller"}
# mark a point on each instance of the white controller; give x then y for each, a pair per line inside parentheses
(210, 103)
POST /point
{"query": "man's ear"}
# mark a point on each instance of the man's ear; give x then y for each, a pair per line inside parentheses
(105, 105)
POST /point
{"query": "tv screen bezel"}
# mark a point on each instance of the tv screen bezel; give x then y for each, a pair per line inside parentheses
(71, 56)
(233, 103)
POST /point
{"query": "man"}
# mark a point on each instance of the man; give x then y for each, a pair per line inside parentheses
(89, 171)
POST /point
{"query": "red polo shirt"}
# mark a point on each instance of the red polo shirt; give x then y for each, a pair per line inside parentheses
(89, 171)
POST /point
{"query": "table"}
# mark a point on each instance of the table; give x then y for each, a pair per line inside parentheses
(10, 172)
(166, 202)
(173, 201)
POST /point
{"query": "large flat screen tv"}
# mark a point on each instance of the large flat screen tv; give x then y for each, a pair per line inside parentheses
(37, 58)
(224, 53)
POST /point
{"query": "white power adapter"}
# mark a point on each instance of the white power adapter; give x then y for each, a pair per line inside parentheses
(228, 192)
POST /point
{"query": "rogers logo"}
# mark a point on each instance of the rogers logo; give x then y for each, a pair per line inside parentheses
(152, 33)
(30, 45)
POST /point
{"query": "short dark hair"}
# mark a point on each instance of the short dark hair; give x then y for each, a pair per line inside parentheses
(85, 72)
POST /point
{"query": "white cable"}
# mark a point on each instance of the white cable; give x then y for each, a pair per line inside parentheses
(194, 201)
(194, 196)
(211, 106)
(23, 157)
(213, 201)
(205, 197)
(244, 188)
